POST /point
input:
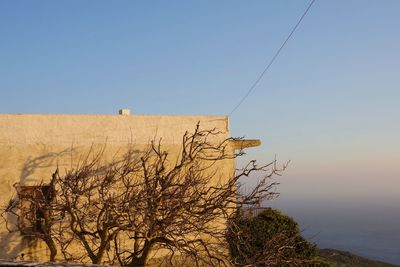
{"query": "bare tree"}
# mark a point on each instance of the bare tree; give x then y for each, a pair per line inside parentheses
(92, 196)
(182, 205)
(155, 202)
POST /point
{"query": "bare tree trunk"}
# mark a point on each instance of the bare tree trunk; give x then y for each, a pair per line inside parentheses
(103, 245)
(142, 260)
(52, 247)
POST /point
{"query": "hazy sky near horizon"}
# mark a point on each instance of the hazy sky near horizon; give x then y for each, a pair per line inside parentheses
(330, 103)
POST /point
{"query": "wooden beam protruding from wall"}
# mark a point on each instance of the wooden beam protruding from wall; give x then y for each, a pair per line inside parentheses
(245, 143)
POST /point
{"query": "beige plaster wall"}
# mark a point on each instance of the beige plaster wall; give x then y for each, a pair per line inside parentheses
(32, 146)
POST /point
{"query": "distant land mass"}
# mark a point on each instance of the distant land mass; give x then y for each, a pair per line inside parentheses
(337, 258)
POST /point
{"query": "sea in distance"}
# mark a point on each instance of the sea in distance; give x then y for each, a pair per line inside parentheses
(368, 228)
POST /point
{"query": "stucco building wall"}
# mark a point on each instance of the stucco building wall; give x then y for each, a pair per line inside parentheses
(33, 145)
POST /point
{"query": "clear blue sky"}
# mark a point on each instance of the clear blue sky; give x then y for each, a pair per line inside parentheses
(330, 103)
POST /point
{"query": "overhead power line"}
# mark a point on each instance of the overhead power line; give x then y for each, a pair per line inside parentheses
(272, 60)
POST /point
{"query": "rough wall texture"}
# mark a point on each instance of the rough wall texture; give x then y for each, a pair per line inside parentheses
(32, 146)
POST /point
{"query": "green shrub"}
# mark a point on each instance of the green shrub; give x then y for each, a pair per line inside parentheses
(269, 239)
